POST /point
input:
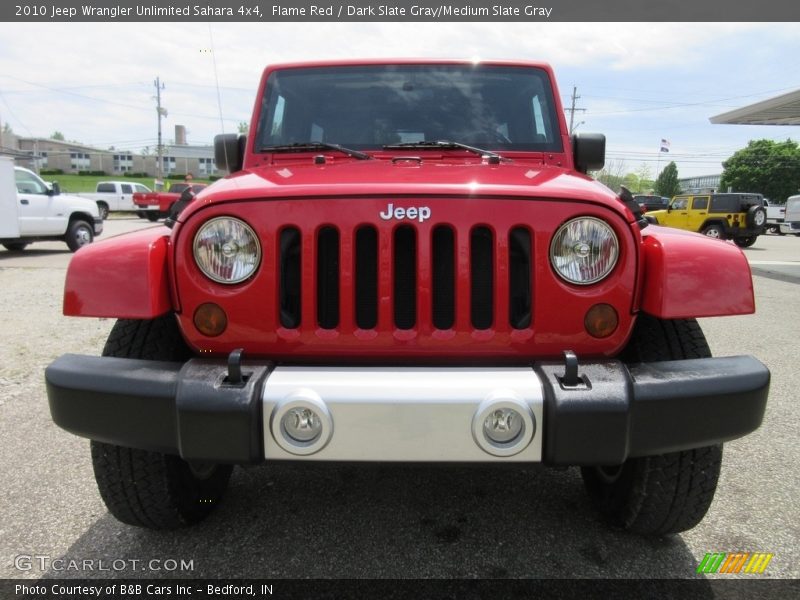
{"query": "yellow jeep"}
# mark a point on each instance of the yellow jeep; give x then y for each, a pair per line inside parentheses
(736, 216)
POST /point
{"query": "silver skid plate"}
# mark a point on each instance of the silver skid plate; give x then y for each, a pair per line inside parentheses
(403, 414)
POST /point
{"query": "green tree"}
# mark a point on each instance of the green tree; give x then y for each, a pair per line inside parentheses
(766, 167)
(611, 175)
(243, 127)
(643, 173)
(631, 181)
(667, 182)
(7, 128)
(57, 135)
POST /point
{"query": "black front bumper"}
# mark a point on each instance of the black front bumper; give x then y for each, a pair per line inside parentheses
(610, 413)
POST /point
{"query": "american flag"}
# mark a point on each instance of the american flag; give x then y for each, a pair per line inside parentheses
(664, 145)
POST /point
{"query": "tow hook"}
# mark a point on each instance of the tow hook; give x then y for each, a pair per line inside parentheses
(570, 379)
(235, 378)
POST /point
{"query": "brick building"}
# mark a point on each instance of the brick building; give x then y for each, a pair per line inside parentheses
(72, 157)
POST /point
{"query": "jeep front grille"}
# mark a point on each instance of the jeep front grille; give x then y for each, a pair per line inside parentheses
(428, 279)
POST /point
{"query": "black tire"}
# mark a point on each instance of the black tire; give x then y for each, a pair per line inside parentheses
(15, 246)
(668, 493)
(152, 215)
(141, 214)
(714, 231)
(103, 208)
(151, 489)
(745, 242)
(79, 234)
(756, 217)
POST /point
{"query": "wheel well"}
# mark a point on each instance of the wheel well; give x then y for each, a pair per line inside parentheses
(721, 222)
(102, 204)
(81, 217)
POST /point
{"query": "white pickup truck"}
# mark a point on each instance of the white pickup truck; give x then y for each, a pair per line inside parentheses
(783, 218)
(33, 211)
(115, 196)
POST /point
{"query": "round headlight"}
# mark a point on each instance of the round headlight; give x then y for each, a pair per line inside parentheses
(584, 250)
(227, 250)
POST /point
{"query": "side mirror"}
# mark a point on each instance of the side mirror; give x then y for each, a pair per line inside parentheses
(55, 189)
(229, 151)
(589, 151)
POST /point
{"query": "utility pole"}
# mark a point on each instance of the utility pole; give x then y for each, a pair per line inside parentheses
(572, 109)
(162, 112)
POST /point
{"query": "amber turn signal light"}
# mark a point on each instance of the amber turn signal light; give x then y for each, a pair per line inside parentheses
(601, 320)
(210, 319)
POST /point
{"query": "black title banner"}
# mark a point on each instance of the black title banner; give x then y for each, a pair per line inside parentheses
(399, 10)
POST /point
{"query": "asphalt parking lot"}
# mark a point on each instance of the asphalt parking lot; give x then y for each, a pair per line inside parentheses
(380, 521)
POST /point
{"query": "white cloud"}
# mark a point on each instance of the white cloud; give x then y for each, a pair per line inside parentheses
(114, 65)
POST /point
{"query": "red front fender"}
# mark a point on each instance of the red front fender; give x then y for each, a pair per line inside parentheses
(688, 275)
(123, 277)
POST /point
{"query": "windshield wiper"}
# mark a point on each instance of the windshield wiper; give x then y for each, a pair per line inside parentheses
(304, 146)
(445, 145)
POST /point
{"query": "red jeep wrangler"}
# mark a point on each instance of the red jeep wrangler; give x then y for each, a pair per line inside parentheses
(408, 262)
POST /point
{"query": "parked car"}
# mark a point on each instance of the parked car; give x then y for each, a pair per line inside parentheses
(115, 196)
(792, 215)
(156, 205)
(649, 202)
(783, 218)
(409, 263)
(731, 216)
(32, 210)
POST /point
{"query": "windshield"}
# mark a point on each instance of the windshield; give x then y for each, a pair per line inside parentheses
(368, 107)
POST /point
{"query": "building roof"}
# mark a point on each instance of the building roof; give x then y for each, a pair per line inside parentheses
(780, 110)
(65, 143)
(188, 151)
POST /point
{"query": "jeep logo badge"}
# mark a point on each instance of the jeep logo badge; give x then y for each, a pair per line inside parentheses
(420, 213)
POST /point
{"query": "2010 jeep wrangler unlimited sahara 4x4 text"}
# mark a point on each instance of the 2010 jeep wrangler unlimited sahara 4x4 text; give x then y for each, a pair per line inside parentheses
(409, 263)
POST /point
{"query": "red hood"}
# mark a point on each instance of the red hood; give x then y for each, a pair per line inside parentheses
(380, 177)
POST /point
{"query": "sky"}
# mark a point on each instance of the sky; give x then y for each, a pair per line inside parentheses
(639, 83)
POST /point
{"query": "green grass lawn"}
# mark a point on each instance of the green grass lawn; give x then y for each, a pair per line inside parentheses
(75, 184)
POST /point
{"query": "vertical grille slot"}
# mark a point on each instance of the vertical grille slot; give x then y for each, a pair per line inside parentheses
(519, 272)
(405, 277)
(481, 277)
(444, 277)
(328, 278)
(366, 277)
(289, 285)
